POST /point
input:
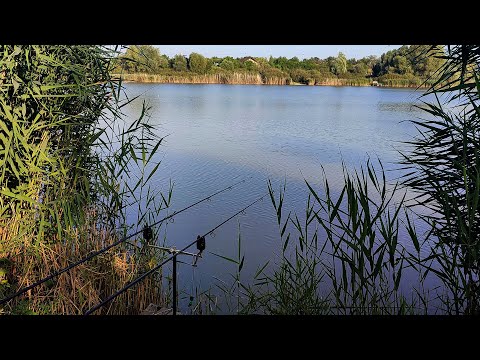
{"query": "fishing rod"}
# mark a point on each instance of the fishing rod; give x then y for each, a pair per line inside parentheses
(149, 272)
(96, 253)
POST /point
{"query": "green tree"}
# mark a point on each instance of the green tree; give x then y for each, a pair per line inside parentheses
(279, 63)
(311, 64)
(361, 69)
(401, 65)
(179, 63)
(250, 65)
(198, 63)
(300, 76)
(164, 61)
(434, 62)
(143, 58)
(340, 64)
(227, 64)
(294, 63)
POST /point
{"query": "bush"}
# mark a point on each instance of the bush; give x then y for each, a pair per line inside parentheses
(198, 63)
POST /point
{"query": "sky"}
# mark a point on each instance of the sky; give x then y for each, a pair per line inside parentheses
(300, 51)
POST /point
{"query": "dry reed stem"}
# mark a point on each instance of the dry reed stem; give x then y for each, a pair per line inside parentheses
(75, 291)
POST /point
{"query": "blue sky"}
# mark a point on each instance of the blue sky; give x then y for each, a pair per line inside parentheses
(300, 51)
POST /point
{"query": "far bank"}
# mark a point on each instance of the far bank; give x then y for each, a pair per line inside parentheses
(246, 78)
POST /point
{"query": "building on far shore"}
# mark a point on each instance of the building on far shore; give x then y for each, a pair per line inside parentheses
(248, 58)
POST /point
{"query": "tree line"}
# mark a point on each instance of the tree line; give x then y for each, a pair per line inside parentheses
(413, 65)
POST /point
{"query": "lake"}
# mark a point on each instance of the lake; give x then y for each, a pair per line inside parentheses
(219, 134)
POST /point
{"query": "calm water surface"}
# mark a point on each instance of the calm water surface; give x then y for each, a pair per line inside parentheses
(218, 134)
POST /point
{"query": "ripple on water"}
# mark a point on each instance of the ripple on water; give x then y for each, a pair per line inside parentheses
(218, 134)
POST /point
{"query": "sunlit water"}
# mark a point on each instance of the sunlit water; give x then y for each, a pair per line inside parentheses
(219, 134)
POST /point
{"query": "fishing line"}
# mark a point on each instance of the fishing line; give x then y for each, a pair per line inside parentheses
(140, 278)
(96, 253)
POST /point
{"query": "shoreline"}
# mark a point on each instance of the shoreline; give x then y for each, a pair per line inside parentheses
(297, 84)
(183, 82)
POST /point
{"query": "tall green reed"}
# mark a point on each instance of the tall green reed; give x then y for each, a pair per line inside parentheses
(66, 160)
(444, 172)
(342, 256)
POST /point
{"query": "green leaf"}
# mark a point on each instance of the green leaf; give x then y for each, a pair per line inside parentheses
(152, 172)
(224, 257)
(20, 197)
(260, 270)
(96, 136)
(285, 244)
(337, 205)
(241, 264)
(285, 225)
(412, 233)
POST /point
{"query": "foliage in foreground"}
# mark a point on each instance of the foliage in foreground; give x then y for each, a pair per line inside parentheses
(342, 256)
(64, 187)
(444, 165)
